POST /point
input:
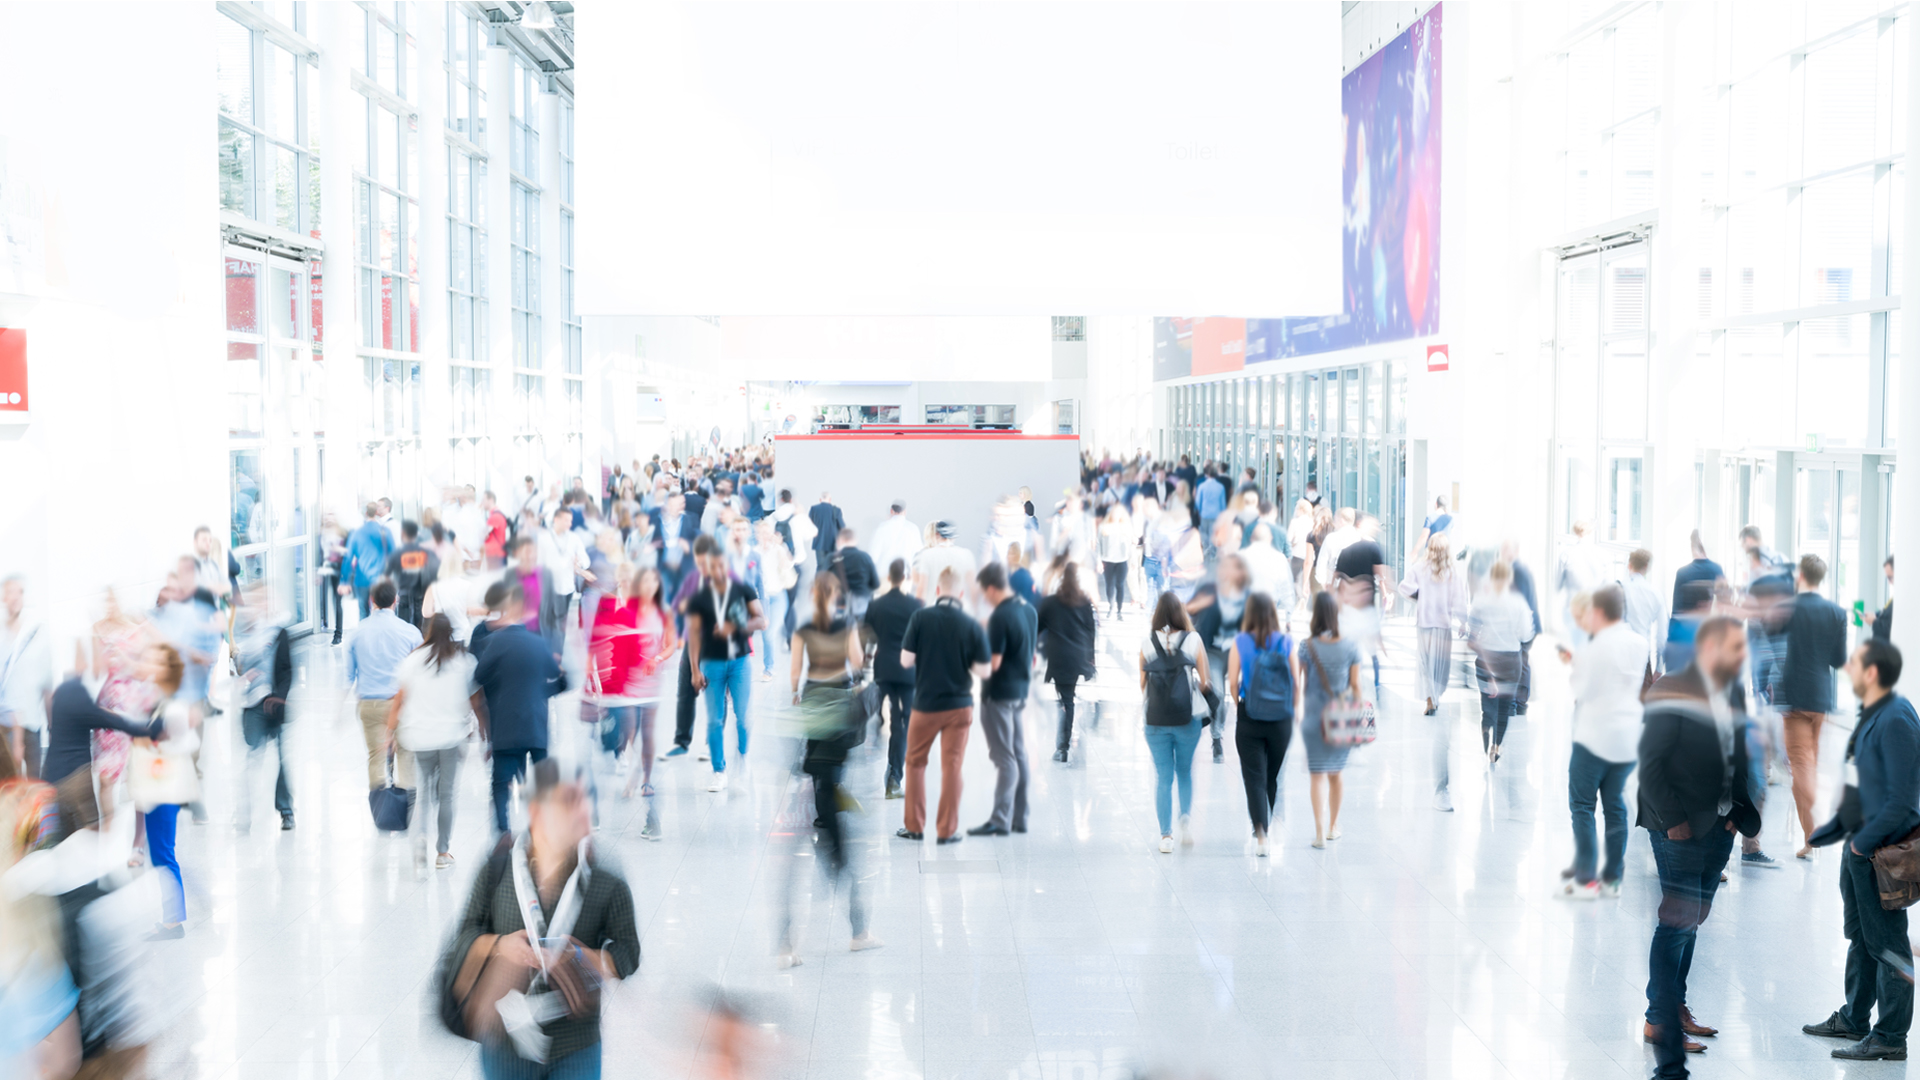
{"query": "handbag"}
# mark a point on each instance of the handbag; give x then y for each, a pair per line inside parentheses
(158, 776)
(1346, 721)
(392, 806)
(1896, 872)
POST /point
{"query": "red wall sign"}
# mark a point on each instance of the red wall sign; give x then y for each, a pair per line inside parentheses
(1436, 358)
(13, 370)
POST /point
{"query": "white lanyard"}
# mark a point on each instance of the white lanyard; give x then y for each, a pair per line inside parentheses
(720, 609)
(565, 913)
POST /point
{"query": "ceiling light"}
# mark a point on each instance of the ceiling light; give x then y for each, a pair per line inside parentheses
(538, 16)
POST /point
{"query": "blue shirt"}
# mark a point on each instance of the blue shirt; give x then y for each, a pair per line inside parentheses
(373, 659)
(1211, 498)
(367, 551)
(518, 674)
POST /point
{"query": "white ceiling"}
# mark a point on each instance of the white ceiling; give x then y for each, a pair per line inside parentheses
(887, 159)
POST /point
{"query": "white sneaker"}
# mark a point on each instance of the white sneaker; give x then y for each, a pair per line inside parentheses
(1443, 802)
(1610, 890)
(1573, 890)
(1166, 845)
(702, 756)
(786, 960)
(1260, 847)
(865, 941)
(1186, 830)
(719, 782)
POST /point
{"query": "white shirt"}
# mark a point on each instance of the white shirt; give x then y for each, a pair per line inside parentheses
(896, 538)
(929, 563)
(1607, 674)
(1330, 549)
(436, 712)
(26, 665)
(1501, 622)
(452, 596)
(1643, 613)
(1270, 572)
(563, 557)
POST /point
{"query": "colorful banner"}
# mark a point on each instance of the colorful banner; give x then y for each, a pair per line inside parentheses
(1390, 106)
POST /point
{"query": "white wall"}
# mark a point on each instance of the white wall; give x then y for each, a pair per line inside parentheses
(107, 154)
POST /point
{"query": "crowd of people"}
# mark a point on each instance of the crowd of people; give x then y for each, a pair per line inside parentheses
(475, 620)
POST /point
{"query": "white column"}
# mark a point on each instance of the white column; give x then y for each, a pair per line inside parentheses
(340, 31)
(553, 290)
(430, 189)
(1906, 474)
(499, 329)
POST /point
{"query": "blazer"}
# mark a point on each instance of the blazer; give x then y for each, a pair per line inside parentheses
(1681, 766)
(1816, 644)
(1886, 751)
(1066, 638)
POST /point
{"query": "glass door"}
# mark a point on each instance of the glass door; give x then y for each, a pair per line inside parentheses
(1827, 524)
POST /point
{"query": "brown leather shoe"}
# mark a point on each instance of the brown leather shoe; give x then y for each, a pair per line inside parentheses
(1652, 1035)
(1694, 1027)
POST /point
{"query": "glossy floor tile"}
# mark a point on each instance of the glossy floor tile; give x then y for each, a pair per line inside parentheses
(1420, 944)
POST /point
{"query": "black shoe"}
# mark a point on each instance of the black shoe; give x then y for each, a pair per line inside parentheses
(1833, 1027)
(954, 839)
(905, 835)
(336, 639)
(1219, 754)
(1021, 829)
(1871, 1048)
(988, 829)
(1060, 756)
(286, 822)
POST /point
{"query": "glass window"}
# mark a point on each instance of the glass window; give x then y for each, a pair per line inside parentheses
(1836, 240)
(1833, 397)
(1840, 103)
(233, 45)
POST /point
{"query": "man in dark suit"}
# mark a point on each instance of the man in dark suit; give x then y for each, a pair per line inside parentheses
(887, 618)
(827, 523)
(516, 676)
(1693, 795)
(1886, 750)
(855, 570)
(1816, 639)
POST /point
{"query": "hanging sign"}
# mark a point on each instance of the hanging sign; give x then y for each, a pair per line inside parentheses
(1436, 358)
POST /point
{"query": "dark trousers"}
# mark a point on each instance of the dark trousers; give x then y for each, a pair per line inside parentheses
(1495, 711)
(1262, 745)
(1871, 930)
(1689, 874)
(510, 765)
(258, 730)
(1589, 775)
(1064, 683)
(896, 699)
(826, 807)
(1113, 583)
(331, 592)
(683, 704)
(1524, 688)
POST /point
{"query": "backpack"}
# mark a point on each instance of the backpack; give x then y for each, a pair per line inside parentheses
(1269, 680)
(1169, 686)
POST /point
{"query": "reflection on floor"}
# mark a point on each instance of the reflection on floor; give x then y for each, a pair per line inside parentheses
(1420, 944)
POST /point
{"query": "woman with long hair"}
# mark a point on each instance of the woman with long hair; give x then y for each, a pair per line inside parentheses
(1171, 643)
(1265, 706)
(1439, 594)
(161, 666)
(431, 716)
(1066, 639)
(628, 656)
(1329, 671)
(826, 647)
(1502, 625)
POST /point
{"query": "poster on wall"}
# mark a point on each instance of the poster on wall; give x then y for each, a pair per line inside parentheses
(1390, 229)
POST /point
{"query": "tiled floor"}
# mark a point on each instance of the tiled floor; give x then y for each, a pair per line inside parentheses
(1421, 944)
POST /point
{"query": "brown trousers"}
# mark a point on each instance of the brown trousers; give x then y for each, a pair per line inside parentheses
(1803, 754)
(952, 725)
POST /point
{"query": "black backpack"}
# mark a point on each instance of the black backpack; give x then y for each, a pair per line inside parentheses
(1270, 681)
(1169, 687)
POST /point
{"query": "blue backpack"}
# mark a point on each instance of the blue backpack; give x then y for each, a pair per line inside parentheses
(1269, 678)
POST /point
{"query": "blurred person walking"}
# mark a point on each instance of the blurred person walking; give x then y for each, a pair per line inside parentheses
(118, 642)
(1438, 590)
(1607, 715)
(457, 596)
(333, 550)
(1116, 555)
(163, 667)
(430, 720)
(1694, 793)
(1583, 568)
(896, 537)
(827, 522)
(373, 669)
(1012, 629)
(939, 556)
(721, 620)
(946, 650)
(1644, 614)
(1885, 749)
(366, 558)
(778, 577)
(541, 613)
(26, 678)
(546, 924)
(1501, 624)
(515, 677)
(1263, 675)
(1327, 660)
(75, 723)
(856, 572)
(413, 568)
(637, 644)
(1216, 610)
(265, 655)
(1173, 683)
(1065, 628)
(1816, 644)
(887, 620)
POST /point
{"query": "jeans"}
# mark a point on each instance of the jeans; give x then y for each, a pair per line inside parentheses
(499, 1062)
(629, 721)
(726, 679)
(1262, 745)
(162, 823)
(510, 765)
(1689, 874)
(1587, 774)
(257, 728)
(897, 697)
(1172, 750)
(775, 602)
(1156, 577)
(1870, 930)
(439, 772)
(360, 594)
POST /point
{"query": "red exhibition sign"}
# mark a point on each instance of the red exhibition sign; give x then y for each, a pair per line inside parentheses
(1436, 358)
(13, 370)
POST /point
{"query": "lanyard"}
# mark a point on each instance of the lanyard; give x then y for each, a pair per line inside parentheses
(565, 913)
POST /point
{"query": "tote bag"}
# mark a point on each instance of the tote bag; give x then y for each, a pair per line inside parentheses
(1346, 721)
(157, 776)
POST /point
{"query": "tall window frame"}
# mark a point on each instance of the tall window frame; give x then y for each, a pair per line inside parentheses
(268, 143)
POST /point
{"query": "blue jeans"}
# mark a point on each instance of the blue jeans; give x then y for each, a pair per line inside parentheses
(161, 822)
(775, 602)
(726, 679)
(1172, 750)
(499, 1062)
(510, 764)
(1156, 578)
(1689, 874)
(1872, 930)
(1587, 774)
(361, 593)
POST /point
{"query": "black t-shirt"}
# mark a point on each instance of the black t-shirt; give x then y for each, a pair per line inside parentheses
(888, 617)
(945, 644)
(738, 596)
(1356, 562)
(1011, 631)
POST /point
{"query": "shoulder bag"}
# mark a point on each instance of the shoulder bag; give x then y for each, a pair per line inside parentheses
(1896, 872)
(1346, 721)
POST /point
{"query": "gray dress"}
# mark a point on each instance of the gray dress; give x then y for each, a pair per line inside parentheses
(1337, 659)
